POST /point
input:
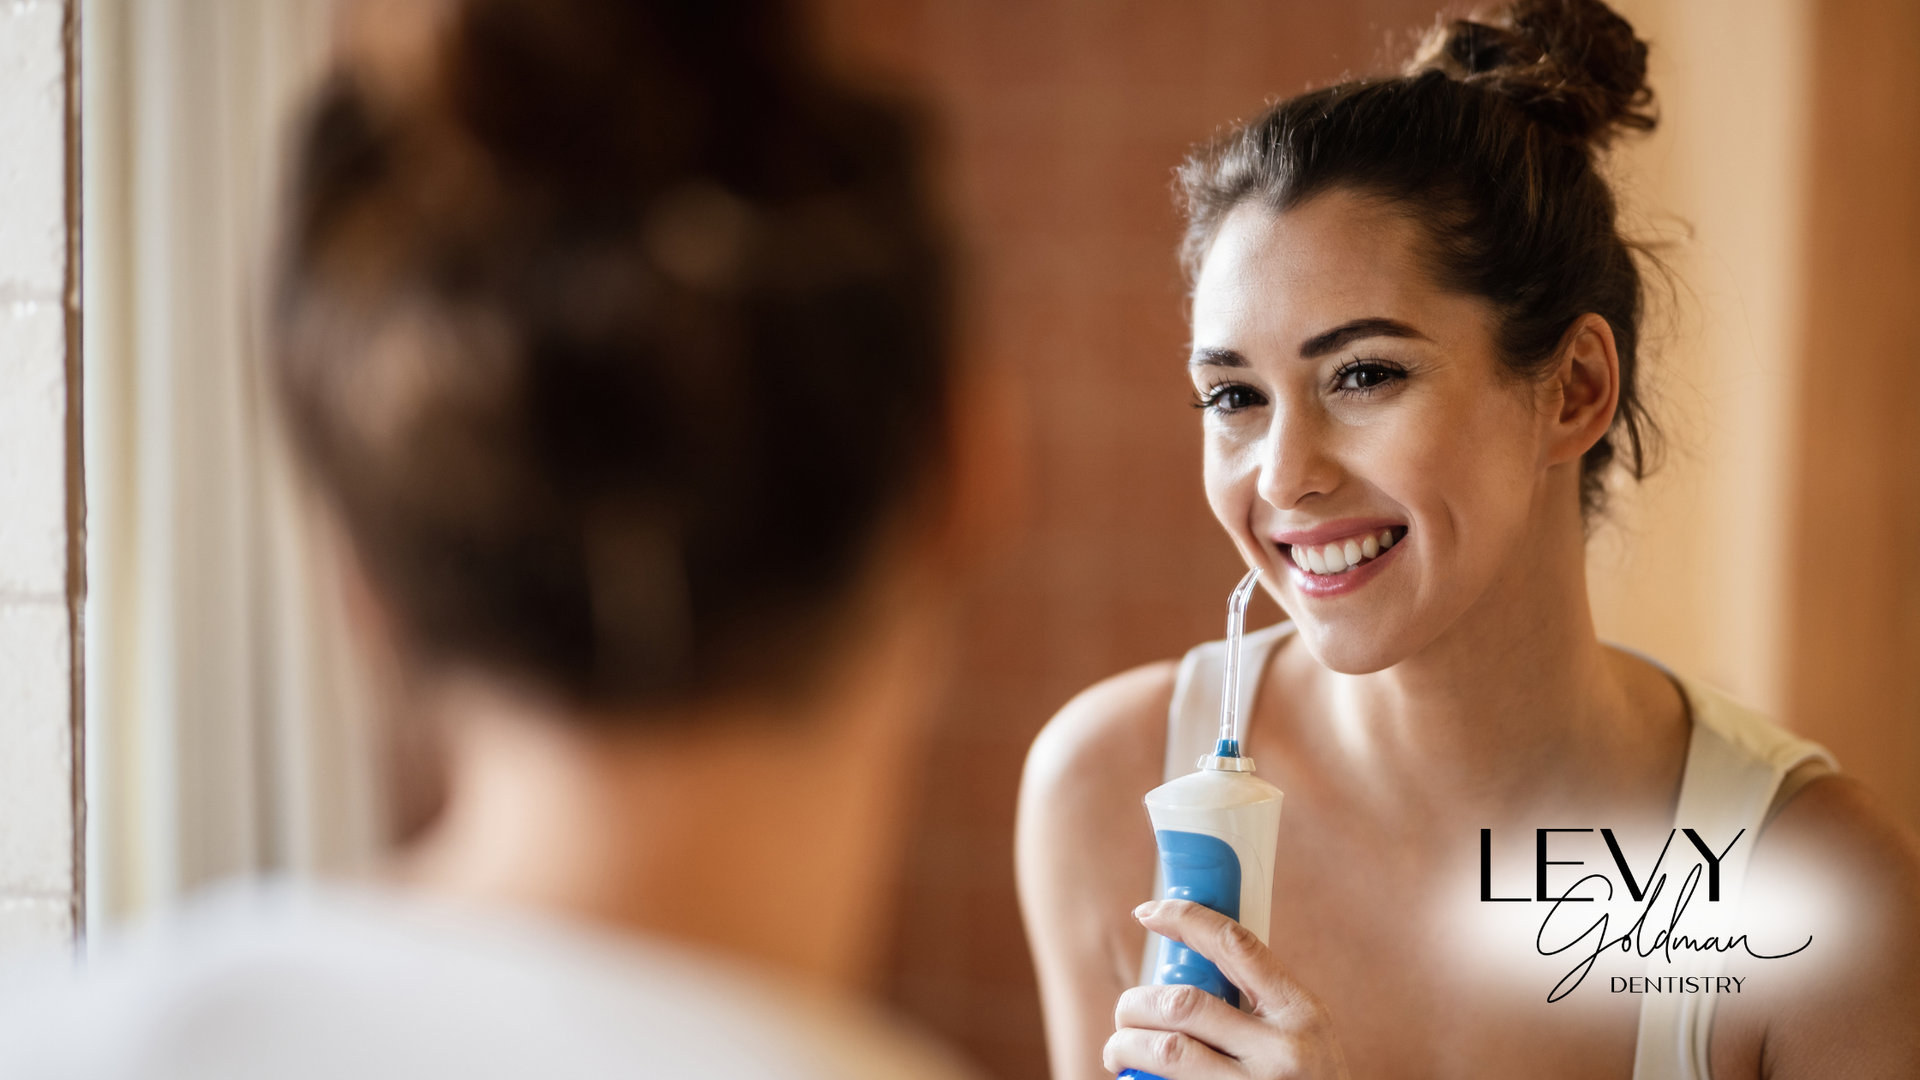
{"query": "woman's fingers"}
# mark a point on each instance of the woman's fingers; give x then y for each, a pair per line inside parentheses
(1168, 1054)
(1192, 1011)
(1240, 956)
(1186, 1034)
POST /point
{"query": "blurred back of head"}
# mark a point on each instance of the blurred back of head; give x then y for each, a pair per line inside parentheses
(613, 331)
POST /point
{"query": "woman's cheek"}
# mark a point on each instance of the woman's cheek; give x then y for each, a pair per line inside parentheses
(1470, 481)
(1232, 476)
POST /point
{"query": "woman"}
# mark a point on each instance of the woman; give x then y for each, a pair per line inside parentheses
(611, 335)
(1415, 335)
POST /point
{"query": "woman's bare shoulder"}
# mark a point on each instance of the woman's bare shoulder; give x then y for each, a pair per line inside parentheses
(1113, 733)
(1084, 852)
(1845, 872)
(1837, 829)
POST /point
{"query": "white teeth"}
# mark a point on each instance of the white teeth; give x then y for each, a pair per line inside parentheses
(1341, 555)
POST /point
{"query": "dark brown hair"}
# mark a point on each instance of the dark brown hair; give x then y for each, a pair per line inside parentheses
(615, 333)
(1490, 138)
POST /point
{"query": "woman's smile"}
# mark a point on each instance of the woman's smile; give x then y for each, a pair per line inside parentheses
(1339, 557)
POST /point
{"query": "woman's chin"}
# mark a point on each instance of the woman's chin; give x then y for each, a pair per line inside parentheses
(1352, 647)
(1365, 630)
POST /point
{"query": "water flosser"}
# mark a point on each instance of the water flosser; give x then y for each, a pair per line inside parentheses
(1216, 829)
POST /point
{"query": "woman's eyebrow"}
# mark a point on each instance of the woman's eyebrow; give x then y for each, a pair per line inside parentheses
(1211, 357)
(1322, 344)
(1316, 346)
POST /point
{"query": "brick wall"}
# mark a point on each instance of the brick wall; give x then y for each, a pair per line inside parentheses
(38, 577)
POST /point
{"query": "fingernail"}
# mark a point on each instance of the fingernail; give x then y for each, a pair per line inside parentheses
(1145, 909)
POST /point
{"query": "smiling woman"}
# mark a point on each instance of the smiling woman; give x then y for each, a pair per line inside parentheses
(1415, 349)
(1411, 388)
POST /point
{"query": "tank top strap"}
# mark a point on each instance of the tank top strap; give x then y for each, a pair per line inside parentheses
(1736, 760)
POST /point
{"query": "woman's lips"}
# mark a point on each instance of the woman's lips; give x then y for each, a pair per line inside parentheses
(1327, 567)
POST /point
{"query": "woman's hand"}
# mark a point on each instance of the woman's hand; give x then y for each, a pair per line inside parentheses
(1185, 1033)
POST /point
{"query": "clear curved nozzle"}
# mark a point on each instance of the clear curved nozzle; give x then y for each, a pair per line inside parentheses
(1229, 745)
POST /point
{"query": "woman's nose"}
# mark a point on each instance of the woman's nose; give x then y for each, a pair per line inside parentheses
(1297, 464)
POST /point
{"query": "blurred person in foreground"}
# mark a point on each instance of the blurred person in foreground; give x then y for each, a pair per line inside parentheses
(612, 335)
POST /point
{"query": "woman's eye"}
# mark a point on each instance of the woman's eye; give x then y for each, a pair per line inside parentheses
(1362, 376)
(1230, 398)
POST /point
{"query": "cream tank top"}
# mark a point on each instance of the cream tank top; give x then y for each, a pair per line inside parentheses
(1736, 761)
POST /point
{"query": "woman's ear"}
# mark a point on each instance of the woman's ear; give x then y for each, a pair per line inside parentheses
(1583, 390)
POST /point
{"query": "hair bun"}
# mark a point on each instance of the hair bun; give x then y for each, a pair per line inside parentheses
(1571, 64)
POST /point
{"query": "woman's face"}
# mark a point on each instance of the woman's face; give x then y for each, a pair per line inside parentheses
(1362, 445)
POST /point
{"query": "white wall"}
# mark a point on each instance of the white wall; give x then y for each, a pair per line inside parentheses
(37, 782)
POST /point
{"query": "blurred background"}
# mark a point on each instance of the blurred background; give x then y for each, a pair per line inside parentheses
(226, 731)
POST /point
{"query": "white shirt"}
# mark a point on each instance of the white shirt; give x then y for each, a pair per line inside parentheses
(294, 982)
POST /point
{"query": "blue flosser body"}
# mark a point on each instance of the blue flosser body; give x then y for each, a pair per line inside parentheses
(1216, 829)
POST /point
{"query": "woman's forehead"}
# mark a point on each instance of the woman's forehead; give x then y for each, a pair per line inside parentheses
(1331, 259)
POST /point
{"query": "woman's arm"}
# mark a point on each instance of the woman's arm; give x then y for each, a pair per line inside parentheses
(1837, 866)
(1084, 853)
